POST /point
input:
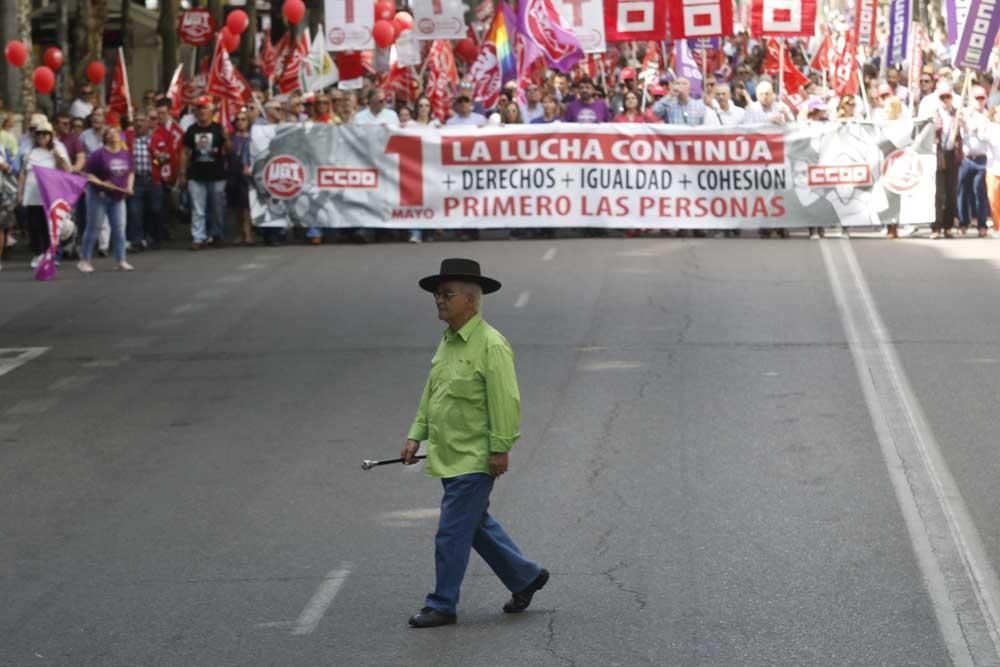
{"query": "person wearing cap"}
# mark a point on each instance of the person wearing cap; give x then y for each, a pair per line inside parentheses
(165, 145)
(972, 199)
(587, 108)
(725, 113)
(203, 172)
(44, 152)
(464, 115)
(469, 414)
(949, 152)
(657, 92)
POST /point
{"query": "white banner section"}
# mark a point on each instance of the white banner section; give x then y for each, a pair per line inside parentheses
(349, 25)
(614, 175)
(586, 19)
(439, 19)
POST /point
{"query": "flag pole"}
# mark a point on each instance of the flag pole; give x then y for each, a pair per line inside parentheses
(128, 93)
(780, 83)
(861, 83)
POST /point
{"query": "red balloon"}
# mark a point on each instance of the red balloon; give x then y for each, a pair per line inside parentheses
(402, 22)
(96, 72)
(230, 40)
(384, 34)
(467, 50)
(237, 21)
(385, 10)
(294, 11)
(53, 58)
(45, 80)
(16, 52)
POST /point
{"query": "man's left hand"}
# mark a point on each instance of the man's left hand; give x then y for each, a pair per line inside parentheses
(498, 464)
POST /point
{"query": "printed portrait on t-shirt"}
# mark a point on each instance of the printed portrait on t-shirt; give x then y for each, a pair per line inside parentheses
(203, 146)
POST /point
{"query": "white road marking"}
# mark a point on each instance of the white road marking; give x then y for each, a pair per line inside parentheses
(419, 514)
(107, 363)
(33, 406)
(234, 279)
(320, 602)
(276, 624)
(212, 293)
(961, 582)
(135, 342)
(522, 299)
(71, 382)
(249, 266)
(187, 308)
(12, 357)
(549, 254)
(164, 323)
(610, 366)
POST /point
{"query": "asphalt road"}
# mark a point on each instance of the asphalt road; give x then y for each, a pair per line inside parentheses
(702, 466)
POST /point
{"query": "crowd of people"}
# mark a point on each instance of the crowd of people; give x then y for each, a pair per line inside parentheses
(148, 170)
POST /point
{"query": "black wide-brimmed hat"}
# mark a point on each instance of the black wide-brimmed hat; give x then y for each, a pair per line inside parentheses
(466, 270)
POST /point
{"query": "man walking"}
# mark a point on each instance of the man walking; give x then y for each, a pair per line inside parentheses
(203, 171)
(470, 415)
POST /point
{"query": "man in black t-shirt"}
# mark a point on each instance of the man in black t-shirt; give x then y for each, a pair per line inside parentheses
(203, 171)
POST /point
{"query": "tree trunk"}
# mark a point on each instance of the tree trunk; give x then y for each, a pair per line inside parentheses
(314, 14)
(64, 85)
(215, 9)
(167, 28)
(27, 82)
(248, 50)
(128, 40)
(88, 36)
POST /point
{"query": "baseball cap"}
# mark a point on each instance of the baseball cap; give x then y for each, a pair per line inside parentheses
(657, 90)
(978, 92)
(943, 88)
(203, 101)
(884, 90)
(627, 74)
(37, 119)
(816, 104)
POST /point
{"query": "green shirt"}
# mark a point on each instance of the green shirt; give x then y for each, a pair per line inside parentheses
(471, 406)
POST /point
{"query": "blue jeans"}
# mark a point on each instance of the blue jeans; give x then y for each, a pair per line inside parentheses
(100, 204)
(207, 202)
(972, 200)
(464, 525)
(143, 210)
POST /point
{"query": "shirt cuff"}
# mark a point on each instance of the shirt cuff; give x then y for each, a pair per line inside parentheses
(418, 432)
(501, 444)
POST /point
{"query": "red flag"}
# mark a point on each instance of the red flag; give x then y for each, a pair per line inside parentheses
(288, 76)
(349, 65)
(197, 85)
(781, 18)
(821, 61)
(713, 18)
(119, 99)
(865, 16)
(400, 83)
(845, 74)
(626, 20)
(175, 93)
(224, 80)
(793, 79)
(441, 74)
(268, 55)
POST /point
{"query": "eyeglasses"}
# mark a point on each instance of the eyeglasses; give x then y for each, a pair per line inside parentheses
(426, 105)
(926, 81)
(241, 120)
(446, 295)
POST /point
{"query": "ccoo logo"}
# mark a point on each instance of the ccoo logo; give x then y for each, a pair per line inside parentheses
(284, 177)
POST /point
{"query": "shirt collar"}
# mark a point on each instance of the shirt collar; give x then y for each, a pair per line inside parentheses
(465, 331)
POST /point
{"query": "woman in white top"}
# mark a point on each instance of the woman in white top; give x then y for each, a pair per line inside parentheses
(988, 133)
(44, 153)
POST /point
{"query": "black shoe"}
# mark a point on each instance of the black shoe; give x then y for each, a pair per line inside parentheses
(520, 601)
(431, 618)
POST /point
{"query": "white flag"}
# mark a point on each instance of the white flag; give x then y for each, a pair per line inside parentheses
(318, 69)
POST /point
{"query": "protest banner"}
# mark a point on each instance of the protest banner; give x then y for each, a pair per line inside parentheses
(628, 176)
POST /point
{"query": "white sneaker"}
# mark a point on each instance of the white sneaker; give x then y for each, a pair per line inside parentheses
(908, 230)
(35, 260)
(994, 234)
(11, 241)
(935, 235)
(84, 266)
(125, 266)
(814, 236)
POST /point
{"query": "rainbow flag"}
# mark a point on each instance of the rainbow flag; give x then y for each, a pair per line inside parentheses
(496, 64)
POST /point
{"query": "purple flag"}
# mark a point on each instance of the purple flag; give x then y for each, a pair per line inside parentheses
(955, 12)
(704, 43)
(59, 191)
(899, 26)
(541, 26)
(978, 35)
(687, 67)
